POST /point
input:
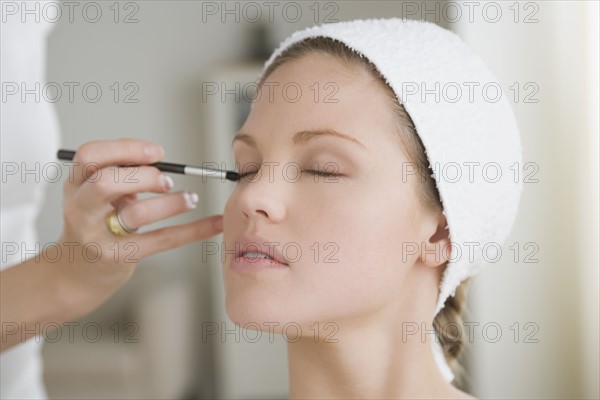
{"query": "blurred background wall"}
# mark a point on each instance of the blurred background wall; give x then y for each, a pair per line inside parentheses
(151, 58)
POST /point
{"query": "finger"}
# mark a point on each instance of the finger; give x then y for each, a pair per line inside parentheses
(147, 211)
(95, 155)
(106, 187)
(172, 237)
(125, 200)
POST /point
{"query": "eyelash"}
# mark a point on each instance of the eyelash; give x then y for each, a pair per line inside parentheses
(312, 171)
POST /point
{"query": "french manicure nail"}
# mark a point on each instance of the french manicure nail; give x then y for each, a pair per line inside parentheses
(191, 199)
(154, 150)
(167, 181)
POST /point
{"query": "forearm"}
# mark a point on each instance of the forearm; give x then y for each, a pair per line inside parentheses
(33, 300)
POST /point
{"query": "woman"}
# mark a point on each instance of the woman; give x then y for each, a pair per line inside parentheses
(363, 257)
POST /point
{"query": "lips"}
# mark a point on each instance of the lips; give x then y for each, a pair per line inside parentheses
(258, 244)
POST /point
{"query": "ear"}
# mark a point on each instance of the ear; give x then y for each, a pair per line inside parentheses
(436, 251)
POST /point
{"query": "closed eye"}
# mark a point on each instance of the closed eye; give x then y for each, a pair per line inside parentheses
(311, 171)
(321, 173)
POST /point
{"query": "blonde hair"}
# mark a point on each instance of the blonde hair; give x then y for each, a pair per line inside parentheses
(448, 323)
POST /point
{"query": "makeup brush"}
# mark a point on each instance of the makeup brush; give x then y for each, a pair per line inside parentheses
(171, 167)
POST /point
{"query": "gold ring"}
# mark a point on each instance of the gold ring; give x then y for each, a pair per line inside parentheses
(115, 224)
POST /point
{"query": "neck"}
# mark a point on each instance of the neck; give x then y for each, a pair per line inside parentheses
(371, 359)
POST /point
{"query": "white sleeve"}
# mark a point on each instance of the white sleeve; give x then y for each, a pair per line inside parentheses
(29, 140)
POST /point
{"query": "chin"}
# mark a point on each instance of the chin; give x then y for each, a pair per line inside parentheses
(275, 315)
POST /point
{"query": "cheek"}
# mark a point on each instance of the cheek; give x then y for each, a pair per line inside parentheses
(355, 263)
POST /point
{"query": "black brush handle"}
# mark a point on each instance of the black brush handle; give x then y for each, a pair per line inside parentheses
(162, 166)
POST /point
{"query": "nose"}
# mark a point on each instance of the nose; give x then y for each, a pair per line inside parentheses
(262, 195)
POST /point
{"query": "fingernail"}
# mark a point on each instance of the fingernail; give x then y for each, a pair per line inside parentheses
(191, 199)
(154, 150)
(219, 224)
(166, 181)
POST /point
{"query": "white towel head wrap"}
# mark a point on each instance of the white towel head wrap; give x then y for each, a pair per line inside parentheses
(465, 123)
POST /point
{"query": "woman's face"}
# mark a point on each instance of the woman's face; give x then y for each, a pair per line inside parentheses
(342, 236)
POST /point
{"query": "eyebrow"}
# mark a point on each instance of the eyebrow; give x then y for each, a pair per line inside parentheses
(301, 137)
